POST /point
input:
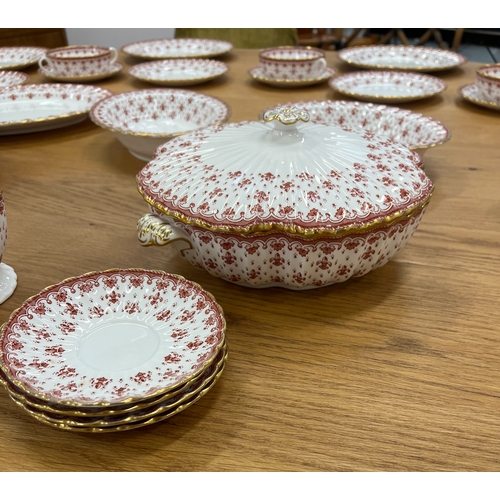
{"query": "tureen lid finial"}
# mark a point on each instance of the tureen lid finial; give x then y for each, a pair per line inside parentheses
(287, 115)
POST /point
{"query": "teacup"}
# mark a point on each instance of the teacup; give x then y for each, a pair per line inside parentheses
(488, 82)
(292, 63)
(79, 60)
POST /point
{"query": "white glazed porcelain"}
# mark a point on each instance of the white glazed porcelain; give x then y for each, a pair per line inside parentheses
(387, 86)
(178, 72)
(20, 57)
(488, 82)
(258, 75)
(11, 78)
(472, 93)
(32, 108)
(414, 130)
(172, 48)
(8, 277)
(142, 120)
(112, 70)
(401, 57)
(284, 202)
(292, 63)
(111, 337)
(79, 60)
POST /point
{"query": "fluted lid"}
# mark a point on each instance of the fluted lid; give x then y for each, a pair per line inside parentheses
(284, 174)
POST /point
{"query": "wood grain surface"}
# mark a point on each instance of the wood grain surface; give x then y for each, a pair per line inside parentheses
(396, 371)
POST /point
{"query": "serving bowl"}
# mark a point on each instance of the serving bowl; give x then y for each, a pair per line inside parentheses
(414, 130)
(142, 120)
(284, 202)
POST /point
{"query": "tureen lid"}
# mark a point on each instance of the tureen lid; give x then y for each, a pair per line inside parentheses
(284, 174)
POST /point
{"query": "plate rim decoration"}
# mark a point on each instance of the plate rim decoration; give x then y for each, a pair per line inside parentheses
(344, 56)
(40, 50)
(439, 83)
(184, 81)
(480, 102)
(228, 47)
(327, 74)
(50, 119)
(97, 401)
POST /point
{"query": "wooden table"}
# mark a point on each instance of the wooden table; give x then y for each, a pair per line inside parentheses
(398, 370)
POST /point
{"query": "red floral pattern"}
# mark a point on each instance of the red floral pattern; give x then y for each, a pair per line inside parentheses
(41, 339)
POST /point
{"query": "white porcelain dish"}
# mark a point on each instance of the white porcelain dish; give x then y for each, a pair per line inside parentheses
(259, 75)
(284, 202)
(401, 57)
(113, 69)
(414, 130)
(472, 93)
(33, 108)
(178, 72)
(11, 78)
(172, 48)
(111, 337)
(142, 120)
(387, 86)
(20, 57)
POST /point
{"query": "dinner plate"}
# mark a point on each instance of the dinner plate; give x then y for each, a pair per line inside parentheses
(173, 48)
(178, 72)
(114, 68)
(258, 74)
(111, 337)
(11, 78)
(20, 57)
(401, 57)
(33, 108)
(471, 93)
(414, 130)
(387, 86)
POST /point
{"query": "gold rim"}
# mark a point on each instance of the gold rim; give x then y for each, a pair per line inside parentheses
(126, 419)
(128, 427)
(308, 234)
(105, 404)
(105, 52)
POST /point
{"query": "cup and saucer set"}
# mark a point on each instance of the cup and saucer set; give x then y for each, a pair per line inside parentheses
(292, 67)
(485, 91)
(80, 63)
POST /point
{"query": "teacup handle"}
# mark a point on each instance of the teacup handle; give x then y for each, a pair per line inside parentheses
(323, 65)
(42, 60)
(114, 56)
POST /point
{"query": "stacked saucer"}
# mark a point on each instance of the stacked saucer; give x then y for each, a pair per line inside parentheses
(112, 351)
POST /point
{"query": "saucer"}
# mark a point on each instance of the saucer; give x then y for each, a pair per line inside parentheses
(178, 72)
(20, 57)
(471, 93)
(114, 68)
(258, 74)
(8, 282)
(387, 86)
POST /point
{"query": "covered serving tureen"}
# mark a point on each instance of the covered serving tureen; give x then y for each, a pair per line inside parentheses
(283, 202)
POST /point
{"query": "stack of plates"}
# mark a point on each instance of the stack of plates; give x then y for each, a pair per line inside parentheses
(114, 350)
